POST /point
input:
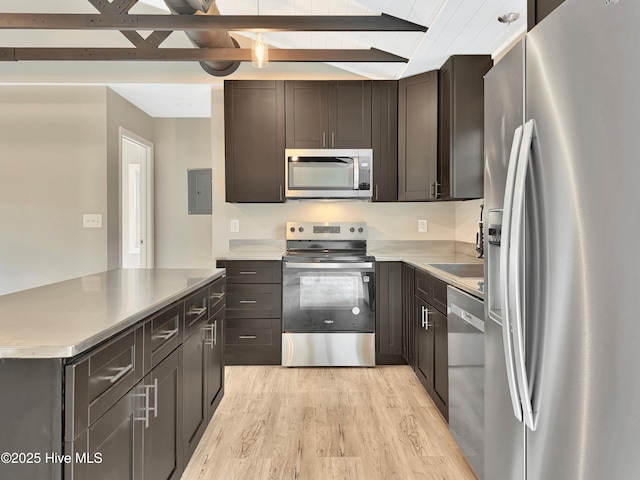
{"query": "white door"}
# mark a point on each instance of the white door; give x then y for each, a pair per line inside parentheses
(136, 159)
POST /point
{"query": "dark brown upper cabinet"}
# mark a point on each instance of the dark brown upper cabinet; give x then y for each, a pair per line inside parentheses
(254, 141)
(418, 137)
(384, 129)
(461, 127)
(328, 114)
(538, 9)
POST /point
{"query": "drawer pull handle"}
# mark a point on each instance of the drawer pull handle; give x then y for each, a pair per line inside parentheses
(216, 296)
(121, 373)
(247, 337)
(248, 301)
(248, 273)
(167, 334)
(196, 311)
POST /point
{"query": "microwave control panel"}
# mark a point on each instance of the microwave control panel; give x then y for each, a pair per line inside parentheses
(364, 175)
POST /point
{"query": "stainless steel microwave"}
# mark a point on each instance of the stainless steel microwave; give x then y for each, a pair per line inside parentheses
(329, 173)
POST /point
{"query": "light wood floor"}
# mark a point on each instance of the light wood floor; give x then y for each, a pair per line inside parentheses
(326, 423)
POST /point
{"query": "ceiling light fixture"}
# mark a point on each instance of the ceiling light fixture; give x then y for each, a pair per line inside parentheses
(259, 49)
(508, 18)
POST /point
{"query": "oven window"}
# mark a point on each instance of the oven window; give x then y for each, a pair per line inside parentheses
(326, 290)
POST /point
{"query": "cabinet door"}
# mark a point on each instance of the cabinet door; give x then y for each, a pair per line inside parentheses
(194, 399)
(114, 442)
(389, 331)
(461, 127)
(408, 323)
(425, 344)
(537, 10)
(162, 440)
(349, 114)
(254, 141)
(418, 137)
(307, 114)
(214, 361)
(441, 363)
(384, 132)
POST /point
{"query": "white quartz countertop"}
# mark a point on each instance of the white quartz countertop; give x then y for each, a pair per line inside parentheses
(428, 263)
(66, 318)
(252, 255)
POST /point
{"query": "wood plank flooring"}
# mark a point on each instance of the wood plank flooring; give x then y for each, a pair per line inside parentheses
(326, 423)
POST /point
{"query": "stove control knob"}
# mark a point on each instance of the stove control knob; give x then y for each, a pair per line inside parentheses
(301, 229)
(292, 229)
(360, 230)
(352, 229)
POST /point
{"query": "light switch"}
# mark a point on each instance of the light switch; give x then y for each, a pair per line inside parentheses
(235, 225)
(422, 226)
(92, 220)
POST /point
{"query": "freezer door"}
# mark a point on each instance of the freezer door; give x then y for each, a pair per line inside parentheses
(583, 77)
(504, 113)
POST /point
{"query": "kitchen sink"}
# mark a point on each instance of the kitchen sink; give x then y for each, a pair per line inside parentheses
(461, 269)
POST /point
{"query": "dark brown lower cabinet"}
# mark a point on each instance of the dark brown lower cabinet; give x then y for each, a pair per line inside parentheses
(408, 323)
(253, 315)
(429, 321)
(163, 452)
(425, 344)
(115, 442)
(440, 363)
(194, 384)
(389, 327)
(214, 361)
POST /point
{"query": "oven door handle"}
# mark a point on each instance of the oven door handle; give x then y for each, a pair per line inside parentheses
(329, 266)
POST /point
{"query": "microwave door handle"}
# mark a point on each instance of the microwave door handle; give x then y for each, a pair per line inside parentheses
(356, 173)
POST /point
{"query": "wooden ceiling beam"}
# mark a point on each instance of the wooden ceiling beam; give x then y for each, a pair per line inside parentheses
(195, 54)
(250, 23)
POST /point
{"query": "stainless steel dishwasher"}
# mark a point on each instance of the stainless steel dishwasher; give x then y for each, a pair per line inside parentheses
(465, 335)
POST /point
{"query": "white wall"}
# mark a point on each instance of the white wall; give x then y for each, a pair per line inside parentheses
(182, 240)
(467, 218)
(52, 170)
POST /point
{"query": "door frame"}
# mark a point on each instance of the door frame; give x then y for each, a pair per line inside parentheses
(149, 148)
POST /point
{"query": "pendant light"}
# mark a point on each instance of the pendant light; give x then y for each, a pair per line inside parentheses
(259, 49)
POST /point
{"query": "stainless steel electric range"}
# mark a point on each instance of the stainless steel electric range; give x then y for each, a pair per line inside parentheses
(328, 296)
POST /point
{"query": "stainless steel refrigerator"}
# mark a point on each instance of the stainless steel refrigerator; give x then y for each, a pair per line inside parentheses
(562, 190)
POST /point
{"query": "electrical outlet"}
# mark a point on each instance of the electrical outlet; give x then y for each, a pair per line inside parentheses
(422, 226)
(92, 220)
(235, 225)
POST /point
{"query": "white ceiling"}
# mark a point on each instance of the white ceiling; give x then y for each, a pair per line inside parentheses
(182, 89)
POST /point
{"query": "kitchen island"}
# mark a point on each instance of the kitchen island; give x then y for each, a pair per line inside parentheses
(101, 374)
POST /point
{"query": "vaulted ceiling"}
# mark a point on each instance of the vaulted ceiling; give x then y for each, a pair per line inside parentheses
(455, 27)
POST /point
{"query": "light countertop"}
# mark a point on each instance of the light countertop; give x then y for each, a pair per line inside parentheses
(66, 318)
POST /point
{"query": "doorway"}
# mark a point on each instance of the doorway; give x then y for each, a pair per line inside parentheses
(136, 190)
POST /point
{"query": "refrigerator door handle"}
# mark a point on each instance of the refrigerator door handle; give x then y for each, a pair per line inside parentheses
(505, 303)
(516, 272)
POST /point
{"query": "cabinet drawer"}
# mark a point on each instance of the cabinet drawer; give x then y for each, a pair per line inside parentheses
(439, 297)
(424, 286)
(217, 292)
(96, 382)
(252, 272)
(196, 311)
(250, 331)
(254, 301)
(162, 335)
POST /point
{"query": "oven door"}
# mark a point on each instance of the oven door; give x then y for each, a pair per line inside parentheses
(328, 297)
